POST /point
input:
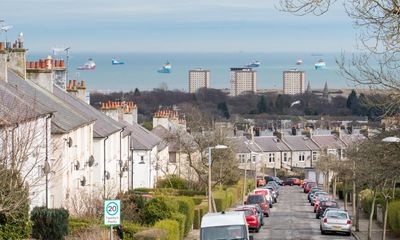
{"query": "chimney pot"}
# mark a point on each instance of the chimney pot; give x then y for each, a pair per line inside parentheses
(61, 63)
(74, 83)
(83, 83)
(2, 46)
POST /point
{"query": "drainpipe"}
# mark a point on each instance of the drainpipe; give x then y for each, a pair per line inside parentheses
(104, 174)
(150, 169)
(12, 145)
(47, 162)
(131, 168)
(120, 159)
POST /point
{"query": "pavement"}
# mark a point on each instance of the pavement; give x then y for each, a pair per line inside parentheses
(293, 218)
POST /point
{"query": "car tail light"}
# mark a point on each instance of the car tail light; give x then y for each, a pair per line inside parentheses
(325, 220)
(348, 221)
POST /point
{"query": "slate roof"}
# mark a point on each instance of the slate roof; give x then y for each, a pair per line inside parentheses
(271, 144)
(238, 145)
(167, 139)
(300, 143)
(141, 138)
(16, 106)
(350, 139)
(103, 126)
(65, 119)
(329, 141)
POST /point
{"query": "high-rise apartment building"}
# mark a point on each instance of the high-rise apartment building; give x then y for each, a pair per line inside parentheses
(293, 82)
(243, 80)
(198, 78)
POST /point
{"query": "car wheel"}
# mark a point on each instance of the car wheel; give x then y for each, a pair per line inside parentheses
(312, 204)
(348, 234)
(270, 205)
(258, 229)
(322, 232)
(317, 216)
(315, 211)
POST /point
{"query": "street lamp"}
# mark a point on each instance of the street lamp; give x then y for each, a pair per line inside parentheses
(210, 209)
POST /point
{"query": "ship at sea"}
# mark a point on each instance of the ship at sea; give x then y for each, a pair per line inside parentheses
(166, 68)
(116, 62)
(320, 64)
(89, 65)
(254, 64)
(299, 62)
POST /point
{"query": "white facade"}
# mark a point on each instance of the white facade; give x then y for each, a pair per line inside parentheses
(242, 80)
(293, 82)
(144, 168)
(27, 142)
(198, 78)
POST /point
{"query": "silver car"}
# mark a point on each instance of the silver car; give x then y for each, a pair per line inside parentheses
(336, 221)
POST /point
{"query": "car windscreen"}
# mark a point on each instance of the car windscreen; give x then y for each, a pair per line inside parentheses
(327, 204)
(336, 215)
(237, 232)
(252, 199)
(247, 212)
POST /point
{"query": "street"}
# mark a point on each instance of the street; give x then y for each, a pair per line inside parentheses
(293, 218)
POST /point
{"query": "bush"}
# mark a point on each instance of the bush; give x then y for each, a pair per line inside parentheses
(394, 216)
(190, 193)
(186, 207)
(130, 229)
(221, 200)
(181, 220)
(151, 234)
(171, 226)
(199, 212)
(49, 223)
(132, 205)
(156, 209)
(198, 199)
(79, 225)
(13, 232)
(173, 181)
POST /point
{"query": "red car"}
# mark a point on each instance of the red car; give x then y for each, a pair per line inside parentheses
(261, 181)
(260, 200)
(252, 218)
(308, 186)
(304, 182)
(291, 181)
(320, 199)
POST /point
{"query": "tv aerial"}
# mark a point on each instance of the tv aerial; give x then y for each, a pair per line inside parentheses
(6, 29)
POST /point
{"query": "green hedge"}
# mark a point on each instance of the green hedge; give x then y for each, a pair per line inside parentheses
(221, 200)
(157, 209)
(190, 193)
(13, 232)
(130, 229)
(151, 234)
(171, 226)
(186, 207)
(394, 216)
(198, 199)
(79, 224)
(49, 223)
(181, 219)
(199, 212)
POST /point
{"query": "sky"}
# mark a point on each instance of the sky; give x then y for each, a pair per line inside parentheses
(175, 26)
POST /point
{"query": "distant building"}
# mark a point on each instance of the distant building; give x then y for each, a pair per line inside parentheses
(243, 80)
(293, 82)
(198, 78)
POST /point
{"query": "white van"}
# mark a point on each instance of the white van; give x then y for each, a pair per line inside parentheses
(224, 225)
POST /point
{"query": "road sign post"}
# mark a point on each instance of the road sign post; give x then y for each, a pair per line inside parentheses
(112, 214)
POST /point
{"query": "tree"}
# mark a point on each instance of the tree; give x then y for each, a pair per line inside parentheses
(262, 105)
(223, 108)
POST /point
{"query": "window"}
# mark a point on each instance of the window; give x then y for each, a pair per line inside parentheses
(272, 157)
(172, 157)
(241, 158)
(285, 157)
(301, 157)
(254, 159)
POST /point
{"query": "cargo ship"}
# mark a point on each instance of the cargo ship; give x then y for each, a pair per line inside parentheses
(254, 64)
(116, 62)
(320, 64)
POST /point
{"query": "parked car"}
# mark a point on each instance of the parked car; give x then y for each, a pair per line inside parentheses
(278, 180)
(224, 225)
(289, 181)
(312, 192)
(274, 187)
(308, 186)
(260, 200)
(273, 192)
(323, 205)
(261, 181)
(267, 194)
(316, 195)
(252, 218)
(304, 182)
(269, 179)
(320, 199)
(336, 221)
(259, 211)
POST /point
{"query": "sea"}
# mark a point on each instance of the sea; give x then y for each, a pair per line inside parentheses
(140, 69)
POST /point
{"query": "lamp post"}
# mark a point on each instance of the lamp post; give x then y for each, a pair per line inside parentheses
(389, 140)
(210, 208)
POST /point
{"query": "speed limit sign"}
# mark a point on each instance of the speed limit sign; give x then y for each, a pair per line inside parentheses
(112, 212)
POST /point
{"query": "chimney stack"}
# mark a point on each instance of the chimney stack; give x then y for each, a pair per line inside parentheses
(3, 62)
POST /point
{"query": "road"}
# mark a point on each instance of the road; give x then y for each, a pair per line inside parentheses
(293, 218)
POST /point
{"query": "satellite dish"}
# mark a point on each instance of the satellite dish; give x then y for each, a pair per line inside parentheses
(107, 175)
(91, 161)
(46, 167)
(83, 181)
(69, 142)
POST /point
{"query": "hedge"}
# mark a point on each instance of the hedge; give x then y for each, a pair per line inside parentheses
(13, 232)
(181, 219)
(157, 209)
(221, 200)
(79, 224)
(198, 199)
(49, 223)
(130, 229)
(394, 216)
(199, 212)
(151, 234)
(186, 207)
(171, 226)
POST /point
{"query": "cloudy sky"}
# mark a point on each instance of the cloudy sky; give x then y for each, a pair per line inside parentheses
(174, 26)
